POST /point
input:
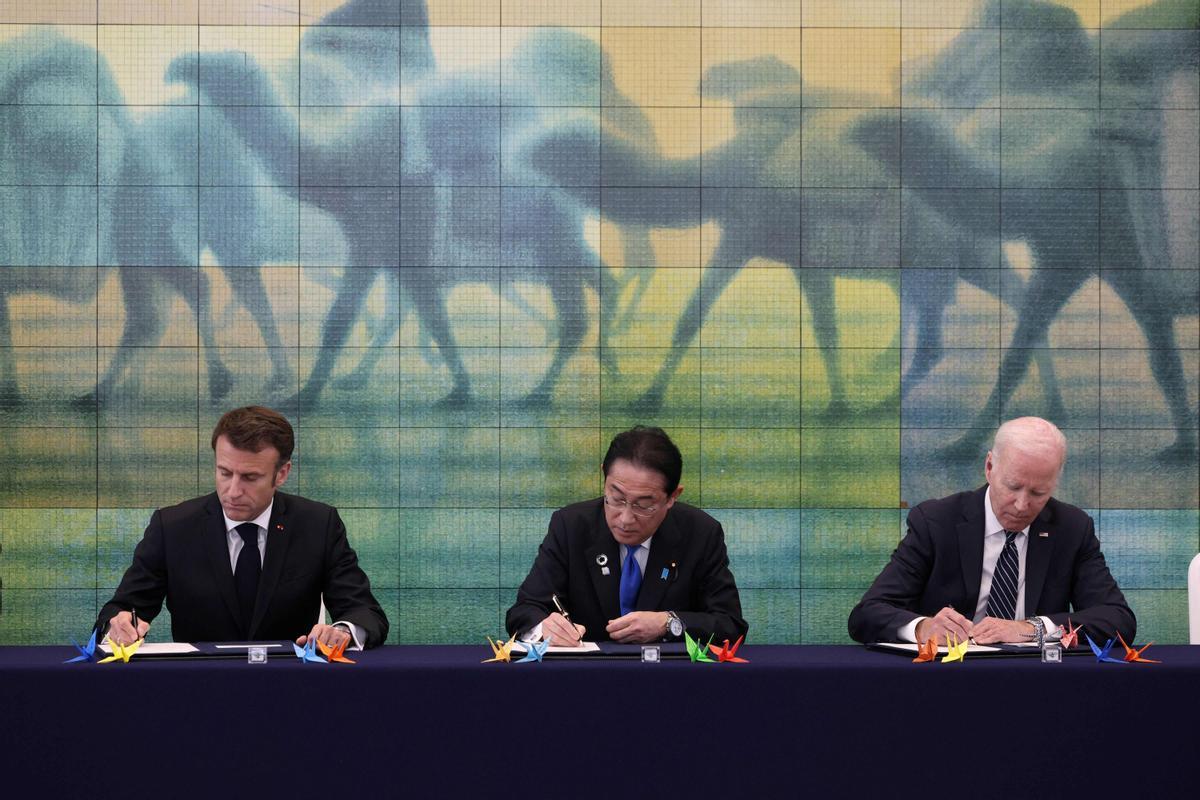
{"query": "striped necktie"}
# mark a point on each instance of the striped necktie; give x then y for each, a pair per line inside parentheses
(1002, 598)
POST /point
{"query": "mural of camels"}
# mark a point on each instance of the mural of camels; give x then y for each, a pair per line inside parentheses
(1124, 154)
(840, 234)
(134, 227)
(544, 232)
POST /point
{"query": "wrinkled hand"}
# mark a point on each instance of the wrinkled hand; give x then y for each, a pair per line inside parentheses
(328, 635)
(946, 621)
(638, 626)
(120, 628)
(991, 630)
(563, 632)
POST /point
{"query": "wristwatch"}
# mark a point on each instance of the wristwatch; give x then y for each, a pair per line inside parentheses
(674, 624)
(1039, 630)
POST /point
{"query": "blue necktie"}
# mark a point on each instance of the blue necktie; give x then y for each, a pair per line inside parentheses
(245, 574)
(631, 581)
(1002, 597)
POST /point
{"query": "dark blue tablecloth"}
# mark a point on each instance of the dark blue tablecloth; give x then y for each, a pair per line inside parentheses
(434, 722)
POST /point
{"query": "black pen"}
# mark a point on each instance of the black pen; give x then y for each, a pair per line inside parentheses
(563, 611)
(133, 617)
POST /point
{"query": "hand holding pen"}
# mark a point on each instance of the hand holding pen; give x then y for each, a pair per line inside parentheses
(558, 626)
(125, 628)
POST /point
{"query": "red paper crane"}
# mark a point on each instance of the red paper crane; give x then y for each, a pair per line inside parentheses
(927, 651)
(1136, 655)
(1070, 637)
(727, 653)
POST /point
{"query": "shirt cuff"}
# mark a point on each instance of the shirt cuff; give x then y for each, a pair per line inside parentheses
(909, 632)
(534, 634)
(356, 633)
(1053, 632)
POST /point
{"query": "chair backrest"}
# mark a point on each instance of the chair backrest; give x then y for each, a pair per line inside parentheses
(1194, 601)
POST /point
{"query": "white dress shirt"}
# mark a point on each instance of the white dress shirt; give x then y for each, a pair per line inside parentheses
(236, 543)
(993, 545)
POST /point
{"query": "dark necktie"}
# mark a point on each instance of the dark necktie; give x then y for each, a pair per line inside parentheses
(631, 581)
(245, 575)
(1002, 597)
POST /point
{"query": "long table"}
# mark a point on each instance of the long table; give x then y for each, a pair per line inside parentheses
(432, 721)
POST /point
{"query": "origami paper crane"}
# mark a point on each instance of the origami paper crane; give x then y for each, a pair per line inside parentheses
(535, 650)
(927, 651)
(957, 650)
(1070, 637)
(85, 653)
(696, 652)
(727, 653)
(501, 651)
(1102, 653)
(1136, 655)
(308, 652)
(122, 652)
(335, 653)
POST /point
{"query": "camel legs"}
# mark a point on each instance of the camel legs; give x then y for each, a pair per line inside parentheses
(1165, 363)
(10, 395)
(248, 288)
(712, 283)
(1047, 292)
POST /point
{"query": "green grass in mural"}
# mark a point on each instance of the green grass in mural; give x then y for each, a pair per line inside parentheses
(1149, 549)
(763, 545)
(823, 615)
(521, 532)
(1162, 615)
(773, 615)
(449, 548)
(372, 534)
(449, 616)
(846, 548)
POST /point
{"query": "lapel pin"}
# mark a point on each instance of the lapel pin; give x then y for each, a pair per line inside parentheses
(1044, 534)
(666, 571)
(604, 570)
(278, 526)
(602, 559)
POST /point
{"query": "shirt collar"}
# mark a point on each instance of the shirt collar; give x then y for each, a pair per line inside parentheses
(645, 544)
(261, 520)
(991, 525)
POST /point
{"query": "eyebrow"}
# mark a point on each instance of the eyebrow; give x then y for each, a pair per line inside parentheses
(626, 494)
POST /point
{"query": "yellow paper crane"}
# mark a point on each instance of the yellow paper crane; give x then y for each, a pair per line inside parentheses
(122, 652)
(502, 651)
(957, 650)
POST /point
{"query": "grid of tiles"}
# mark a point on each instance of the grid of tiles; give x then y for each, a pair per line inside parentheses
(827, 245)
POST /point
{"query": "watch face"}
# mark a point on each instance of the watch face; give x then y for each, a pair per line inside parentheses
(676, 627)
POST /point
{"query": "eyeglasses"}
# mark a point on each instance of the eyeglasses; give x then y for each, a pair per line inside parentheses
(621, 505)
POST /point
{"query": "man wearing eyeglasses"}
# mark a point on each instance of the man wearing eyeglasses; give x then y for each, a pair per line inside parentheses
(634, 565)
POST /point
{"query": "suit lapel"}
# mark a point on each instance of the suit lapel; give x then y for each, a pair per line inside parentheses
(970, 549)
(664, 552)
(278, 541)
(216, 546)
(604, 548)
(1038, 550)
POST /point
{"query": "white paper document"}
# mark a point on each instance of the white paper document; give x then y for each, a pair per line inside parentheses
(584, 647)
(912, 648)
(158, 649)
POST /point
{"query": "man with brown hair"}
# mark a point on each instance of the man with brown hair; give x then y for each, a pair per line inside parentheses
(247, 562)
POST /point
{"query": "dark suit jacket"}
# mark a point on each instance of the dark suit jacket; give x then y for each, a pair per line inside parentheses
(689, 545)
(939, 563)
(184, 558)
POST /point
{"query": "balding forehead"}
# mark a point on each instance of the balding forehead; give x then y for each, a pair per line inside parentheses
(1031, 435)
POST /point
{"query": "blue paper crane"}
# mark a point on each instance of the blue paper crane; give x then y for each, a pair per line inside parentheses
(536, 651)
(308, 652)
(1102, 653)
(85, 653)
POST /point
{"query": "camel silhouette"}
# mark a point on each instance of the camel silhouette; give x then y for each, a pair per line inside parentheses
(132, 230)
(542, 230)
(819, 240)
(1122, 153)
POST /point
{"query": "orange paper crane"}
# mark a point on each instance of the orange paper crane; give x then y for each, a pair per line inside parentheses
(727, 653)
(335, 653)
(957, 650)
(1070, 637)
(1136, 655)
(927, 651)
(501, 651)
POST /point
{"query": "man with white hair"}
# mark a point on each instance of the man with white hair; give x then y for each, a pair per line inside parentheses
(1003, 563)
